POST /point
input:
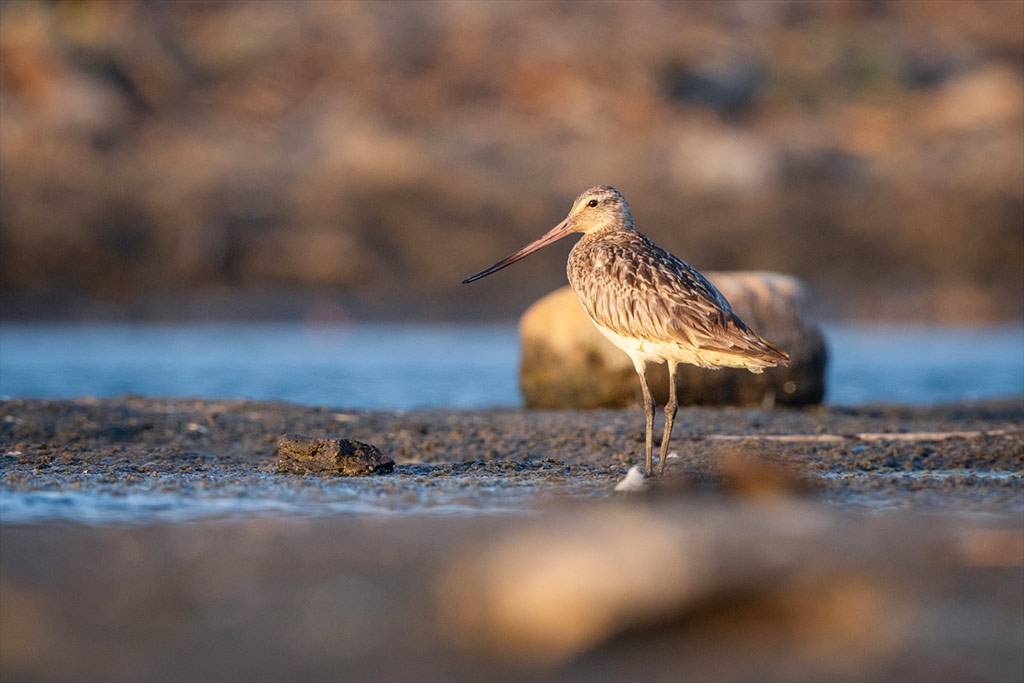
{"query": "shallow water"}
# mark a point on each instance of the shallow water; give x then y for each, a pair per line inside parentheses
(924, 475)
(90, 507)
(449, 366)
(412, 490)
(411, 494)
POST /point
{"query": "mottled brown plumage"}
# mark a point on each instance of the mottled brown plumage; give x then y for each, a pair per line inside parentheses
(651, 304)
(633, 287)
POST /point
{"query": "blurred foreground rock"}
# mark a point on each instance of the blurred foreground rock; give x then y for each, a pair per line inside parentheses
(747, 593)
(567, 363)
(307, 455)
(830, 596)
(739, 472)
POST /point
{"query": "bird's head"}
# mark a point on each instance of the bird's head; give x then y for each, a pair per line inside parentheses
(600, 208)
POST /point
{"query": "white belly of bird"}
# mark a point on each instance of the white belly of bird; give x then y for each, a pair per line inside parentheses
(643, 351)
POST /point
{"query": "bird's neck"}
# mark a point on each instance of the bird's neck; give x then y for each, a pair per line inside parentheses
(608, 231)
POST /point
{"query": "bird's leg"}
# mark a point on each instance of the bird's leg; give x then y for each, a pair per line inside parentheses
(670, 416)
(649, 414)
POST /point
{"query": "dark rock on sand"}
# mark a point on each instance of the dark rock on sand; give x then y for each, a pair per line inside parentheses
(344, 457)
(567, 363)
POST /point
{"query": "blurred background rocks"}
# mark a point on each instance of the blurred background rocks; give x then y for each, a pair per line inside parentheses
(340, 160)
(566, 363)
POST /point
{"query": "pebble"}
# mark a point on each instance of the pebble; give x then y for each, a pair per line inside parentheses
(633, 481)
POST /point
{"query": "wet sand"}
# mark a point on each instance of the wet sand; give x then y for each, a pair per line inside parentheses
(961, 457)
(151, 539)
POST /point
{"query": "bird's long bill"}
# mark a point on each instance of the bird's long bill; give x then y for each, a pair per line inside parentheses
(553, 235)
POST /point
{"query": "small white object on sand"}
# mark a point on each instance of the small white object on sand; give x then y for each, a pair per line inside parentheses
(633, 481)
(672, 456)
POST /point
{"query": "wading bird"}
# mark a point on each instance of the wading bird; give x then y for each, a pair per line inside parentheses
(651, 304)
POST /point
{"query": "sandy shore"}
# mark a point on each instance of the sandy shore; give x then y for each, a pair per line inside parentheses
(953, 457)
(151, 539)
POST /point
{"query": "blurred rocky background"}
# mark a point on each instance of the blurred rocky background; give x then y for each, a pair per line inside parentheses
(334, 160)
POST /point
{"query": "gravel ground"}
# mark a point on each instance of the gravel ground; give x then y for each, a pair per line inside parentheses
(491, 460)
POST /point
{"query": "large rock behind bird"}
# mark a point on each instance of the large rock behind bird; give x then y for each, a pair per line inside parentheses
(566, 363)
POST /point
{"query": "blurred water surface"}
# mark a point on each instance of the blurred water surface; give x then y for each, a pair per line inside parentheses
(446, 366)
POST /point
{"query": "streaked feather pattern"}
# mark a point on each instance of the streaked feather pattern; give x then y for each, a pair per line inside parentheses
(636, 289)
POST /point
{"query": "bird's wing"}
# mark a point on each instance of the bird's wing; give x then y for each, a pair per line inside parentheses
(637, 289)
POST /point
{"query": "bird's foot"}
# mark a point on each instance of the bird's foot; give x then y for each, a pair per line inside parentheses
(664, 460)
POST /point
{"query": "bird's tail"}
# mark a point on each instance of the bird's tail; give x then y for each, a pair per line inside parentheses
(773, 354)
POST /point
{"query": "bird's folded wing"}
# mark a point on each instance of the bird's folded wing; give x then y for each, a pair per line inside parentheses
(658, 297)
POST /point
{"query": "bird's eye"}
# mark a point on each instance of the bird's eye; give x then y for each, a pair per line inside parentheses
(592, 203)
